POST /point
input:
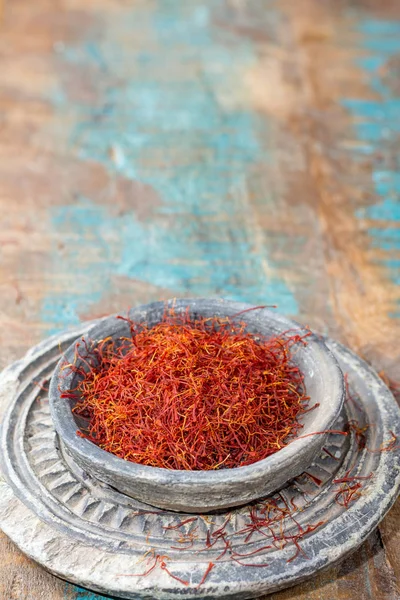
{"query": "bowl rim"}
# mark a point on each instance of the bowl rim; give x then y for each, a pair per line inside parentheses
(103, 460)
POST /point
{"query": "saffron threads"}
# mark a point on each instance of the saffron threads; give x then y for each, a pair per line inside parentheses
(330, 454)
(190, 394)
(347, 493)
(387, 446)
(360, 433)
(316, 480)
(163, 566)
(157, 559)
(277, 522)
(394, 386)
(181, 523)
(273, 520)
(350, 398)
(334, 431)
(211, 565)
(42, 386)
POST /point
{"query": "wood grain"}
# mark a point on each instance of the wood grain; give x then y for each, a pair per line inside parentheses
(20, 578)
(245, 149)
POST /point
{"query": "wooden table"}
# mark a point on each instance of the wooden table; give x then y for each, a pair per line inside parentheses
(237, 148)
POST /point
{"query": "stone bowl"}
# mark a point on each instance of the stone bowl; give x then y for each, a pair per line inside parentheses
(205, 491)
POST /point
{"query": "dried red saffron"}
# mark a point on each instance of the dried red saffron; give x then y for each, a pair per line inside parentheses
(158, 559)
(193, 394)
(211, 565)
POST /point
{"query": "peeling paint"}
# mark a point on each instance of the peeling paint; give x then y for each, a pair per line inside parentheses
(377, 124)
(185, 138)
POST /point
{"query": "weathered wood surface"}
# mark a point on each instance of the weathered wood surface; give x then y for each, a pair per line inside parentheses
(239, 148)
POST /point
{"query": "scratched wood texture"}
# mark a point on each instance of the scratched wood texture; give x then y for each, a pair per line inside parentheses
(238, 148)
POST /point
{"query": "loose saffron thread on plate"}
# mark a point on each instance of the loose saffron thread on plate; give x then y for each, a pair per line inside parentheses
(326, 431)
(268, 520)
(42, 386)
(386, 446)
(181, 523)
(360, 433)
(349, 488)
(163, 566)
(211, 565)
(246, 310)
(160, 560)
(349, 397)
(348, 493)
(313, 478)
(330, 454)
(271, 518)
(198, 393)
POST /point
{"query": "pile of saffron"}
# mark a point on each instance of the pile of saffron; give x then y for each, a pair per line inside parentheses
(190, 393)
(276, 522)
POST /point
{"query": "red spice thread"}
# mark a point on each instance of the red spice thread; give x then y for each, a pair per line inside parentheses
(211, 565)
(193, 394)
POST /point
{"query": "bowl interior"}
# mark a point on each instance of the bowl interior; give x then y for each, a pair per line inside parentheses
(322, 376)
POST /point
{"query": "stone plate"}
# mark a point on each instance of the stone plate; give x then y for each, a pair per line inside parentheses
(88, 533)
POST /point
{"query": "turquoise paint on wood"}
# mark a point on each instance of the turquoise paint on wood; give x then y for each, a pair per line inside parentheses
(377, 123)
(173, 134)
(77, 593)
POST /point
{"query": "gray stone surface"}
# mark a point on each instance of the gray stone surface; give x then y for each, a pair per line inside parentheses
(84, 531)
(194, 491)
